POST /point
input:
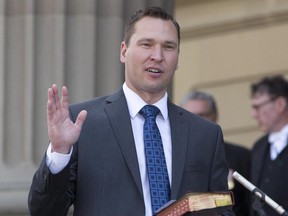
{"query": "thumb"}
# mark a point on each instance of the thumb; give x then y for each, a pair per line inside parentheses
(81, 118)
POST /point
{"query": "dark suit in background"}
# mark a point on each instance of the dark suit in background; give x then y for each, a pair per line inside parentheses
(238, 159)
(270, 176)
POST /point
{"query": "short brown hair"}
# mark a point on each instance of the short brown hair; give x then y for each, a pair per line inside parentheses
(274, 86)
(156, 12)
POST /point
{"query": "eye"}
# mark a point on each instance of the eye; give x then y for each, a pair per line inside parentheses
(169, 46)
(146, 44)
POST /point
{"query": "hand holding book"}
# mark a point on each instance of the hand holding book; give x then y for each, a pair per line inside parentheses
(196, 204)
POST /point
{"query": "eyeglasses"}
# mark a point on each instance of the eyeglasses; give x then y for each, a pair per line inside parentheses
(258, 106)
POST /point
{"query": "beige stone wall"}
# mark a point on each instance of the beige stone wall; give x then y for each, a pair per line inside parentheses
(226, 45)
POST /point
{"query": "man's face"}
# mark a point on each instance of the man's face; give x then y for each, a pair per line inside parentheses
(151, 57)
(266, 112)
(200, 107)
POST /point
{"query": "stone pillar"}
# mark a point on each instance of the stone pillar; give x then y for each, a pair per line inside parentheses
(74, 43)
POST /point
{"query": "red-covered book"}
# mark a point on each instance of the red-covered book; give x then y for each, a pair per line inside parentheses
(199, 204)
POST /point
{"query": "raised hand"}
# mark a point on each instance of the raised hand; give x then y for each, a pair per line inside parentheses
(63, 133)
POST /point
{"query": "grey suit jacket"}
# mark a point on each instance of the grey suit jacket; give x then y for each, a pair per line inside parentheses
(103, 176)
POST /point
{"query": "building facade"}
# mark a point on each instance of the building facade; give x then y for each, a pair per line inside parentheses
(226, 45)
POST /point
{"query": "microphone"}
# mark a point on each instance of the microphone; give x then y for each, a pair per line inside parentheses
(260, 194)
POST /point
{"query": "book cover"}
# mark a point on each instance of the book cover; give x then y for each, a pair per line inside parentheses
(199, 204)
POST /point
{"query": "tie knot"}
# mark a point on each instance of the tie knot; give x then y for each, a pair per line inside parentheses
(149, 110)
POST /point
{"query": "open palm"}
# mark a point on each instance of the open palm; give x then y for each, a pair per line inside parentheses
(63, 133)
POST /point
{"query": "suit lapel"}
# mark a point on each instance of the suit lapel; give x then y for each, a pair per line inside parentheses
(118, 114)
(179, 134)
(259, 157)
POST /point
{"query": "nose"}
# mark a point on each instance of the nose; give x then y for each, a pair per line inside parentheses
(157, 54)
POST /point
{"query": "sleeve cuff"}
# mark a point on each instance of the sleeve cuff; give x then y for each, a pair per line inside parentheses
(56, 162)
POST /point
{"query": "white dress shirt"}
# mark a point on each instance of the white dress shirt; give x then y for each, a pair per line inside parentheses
(135, 104)
(278, 141)
(56, 162)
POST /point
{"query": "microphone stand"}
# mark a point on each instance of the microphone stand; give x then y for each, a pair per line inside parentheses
(260, 197)
(258, 202)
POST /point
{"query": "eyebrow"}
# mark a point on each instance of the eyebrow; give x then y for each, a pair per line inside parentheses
(170, 42)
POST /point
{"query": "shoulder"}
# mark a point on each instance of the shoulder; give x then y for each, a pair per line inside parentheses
(178, 113)
(97, 103)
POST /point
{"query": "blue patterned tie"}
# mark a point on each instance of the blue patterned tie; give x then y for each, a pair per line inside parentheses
(155, 159)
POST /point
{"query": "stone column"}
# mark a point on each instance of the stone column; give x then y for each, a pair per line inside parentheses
(74, 43)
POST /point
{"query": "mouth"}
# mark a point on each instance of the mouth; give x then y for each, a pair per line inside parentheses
(153, 70)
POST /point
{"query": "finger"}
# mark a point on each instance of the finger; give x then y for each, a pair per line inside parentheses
(64, 100)
(50, 104)
(50, 95)
(56, 96)
(81, 118)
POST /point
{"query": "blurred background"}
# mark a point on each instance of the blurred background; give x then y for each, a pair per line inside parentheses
(226, 45)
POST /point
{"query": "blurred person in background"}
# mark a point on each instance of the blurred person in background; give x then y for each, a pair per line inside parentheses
(269, 164)
(238, 158)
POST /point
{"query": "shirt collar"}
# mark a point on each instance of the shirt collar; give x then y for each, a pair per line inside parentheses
(282, 134)
(135, 102)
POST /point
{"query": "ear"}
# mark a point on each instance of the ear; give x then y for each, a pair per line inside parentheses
(281, 104)
(123, 50)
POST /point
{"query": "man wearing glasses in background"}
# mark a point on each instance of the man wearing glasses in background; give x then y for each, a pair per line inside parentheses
(269, 164)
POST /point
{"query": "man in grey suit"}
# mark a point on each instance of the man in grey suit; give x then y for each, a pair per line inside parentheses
(96, 160)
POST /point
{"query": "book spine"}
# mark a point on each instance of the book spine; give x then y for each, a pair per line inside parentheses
(180, 209)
